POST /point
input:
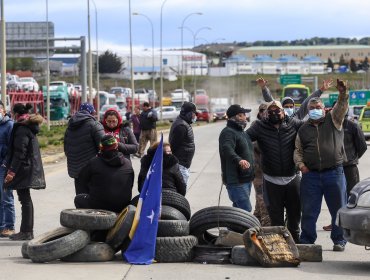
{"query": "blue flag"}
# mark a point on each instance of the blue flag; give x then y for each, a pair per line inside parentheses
(144, 229)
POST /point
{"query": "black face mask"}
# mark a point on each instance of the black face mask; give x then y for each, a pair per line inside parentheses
(274, 119)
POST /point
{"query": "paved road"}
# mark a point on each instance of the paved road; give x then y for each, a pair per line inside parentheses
(203, 191)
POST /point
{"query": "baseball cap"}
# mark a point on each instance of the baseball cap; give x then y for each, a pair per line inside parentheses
(236, 109)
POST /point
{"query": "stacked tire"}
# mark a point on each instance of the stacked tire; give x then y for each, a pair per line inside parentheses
(74, 241)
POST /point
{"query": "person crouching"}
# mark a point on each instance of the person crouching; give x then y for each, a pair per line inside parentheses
(107, 179)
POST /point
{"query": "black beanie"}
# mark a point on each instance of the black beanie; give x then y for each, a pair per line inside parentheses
(188, 107)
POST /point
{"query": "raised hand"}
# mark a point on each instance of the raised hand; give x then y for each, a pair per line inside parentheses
(326, 84)
(262, 82)
(342, 86)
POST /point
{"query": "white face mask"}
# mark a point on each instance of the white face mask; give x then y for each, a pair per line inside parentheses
(315, 114)
(1, 116)
(288, 111)
(193, 120)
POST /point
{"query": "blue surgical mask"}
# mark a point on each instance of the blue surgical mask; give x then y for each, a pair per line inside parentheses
(288, 111)
(193, 120)
(315, 114)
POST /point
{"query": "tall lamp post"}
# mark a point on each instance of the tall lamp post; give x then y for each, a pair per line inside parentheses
(131, 61)
(153, 78)
(47, 68)
(182, 50)
(161, 60)
(3, 56)
(90, 53)
(97, 60)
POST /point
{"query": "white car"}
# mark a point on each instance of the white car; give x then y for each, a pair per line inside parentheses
(169, 113)
(105, 108)
(29, 84)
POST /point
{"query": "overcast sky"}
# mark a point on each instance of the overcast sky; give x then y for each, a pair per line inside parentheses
(237, 20)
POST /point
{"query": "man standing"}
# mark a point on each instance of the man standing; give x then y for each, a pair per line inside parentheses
(81, 141)
(319, 155)
(181, 138)
(275, 135)
(148, 124)
(135, 119)
(236, 153)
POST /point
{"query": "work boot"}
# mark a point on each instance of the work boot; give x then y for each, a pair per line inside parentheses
(7, 232)
(21, 236)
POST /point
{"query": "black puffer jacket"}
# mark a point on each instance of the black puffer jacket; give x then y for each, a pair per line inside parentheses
(181, 139)
(148, 119)
(108, 180)
(276, 145)
(171, 177)
(354, 142)
(81, 141)
(24, 158)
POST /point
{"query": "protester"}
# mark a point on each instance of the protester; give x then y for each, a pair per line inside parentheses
(135, 120)
(260, 210)
(107, 179)
(288, 102)
(113, 125)
(81, 141)
(171, 177)
(236, 154)
(275, 135)
(319, 154)
(181, 138)
(23, 161)
(148, 124)
(354, 146)
(7, 211)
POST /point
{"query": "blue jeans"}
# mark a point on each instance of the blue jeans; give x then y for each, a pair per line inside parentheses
(314, 185)
(185, 172)
(7, 211)
(239, 194)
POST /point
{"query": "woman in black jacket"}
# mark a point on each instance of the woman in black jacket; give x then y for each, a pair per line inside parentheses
(171, 177)
(25, 170)
(113, 125)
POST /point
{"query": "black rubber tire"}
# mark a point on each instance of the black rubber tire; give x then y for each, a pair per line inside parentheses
(24, 250)
(170, 213)
(177, 201)
(175, 249)
(57, 244)
(233, 218)
(135, 200)
(240, 256)
(93, 252)
(172, 228)
(208, 254)
(119, 232)
(87, 219)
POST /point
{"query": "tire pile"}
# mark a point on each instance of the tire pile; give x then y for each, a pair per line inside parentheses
(89, 235)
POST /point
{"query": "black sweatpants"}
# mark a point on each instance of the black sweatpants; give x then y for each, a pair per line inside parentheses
(285, 196)
(24, 197)
(352, 176)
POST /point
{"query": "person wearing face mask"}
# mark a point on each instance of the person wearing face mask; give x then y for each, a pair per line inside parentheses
(319, 154)
(288, 102)
(181, 138)
(236, 154)
(275, 135)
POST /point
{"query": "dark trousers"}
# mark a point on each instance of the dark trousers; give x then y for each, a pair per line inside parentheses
(137, 136)
(285, 196)
(79, 187)
(352, 176)
(82, 201)
(24, 197)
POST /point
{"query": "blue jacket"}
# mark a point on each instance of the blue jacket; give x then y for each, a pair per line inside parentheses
(6, 126)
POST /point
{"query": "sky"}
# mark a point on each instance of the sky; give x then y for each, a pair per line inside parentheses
(221, 20)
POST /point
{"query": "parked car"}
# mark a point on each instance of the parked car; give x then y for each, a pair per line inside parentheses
(29, 84)
(169, 113)
(13, 82)
(355, 217)
(121, 91)
(364, 121)
(219, 114)
(354, 112)
(203, 114)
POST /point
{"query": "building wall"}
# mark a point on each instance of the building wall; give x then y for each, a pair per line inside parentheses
(324, 52)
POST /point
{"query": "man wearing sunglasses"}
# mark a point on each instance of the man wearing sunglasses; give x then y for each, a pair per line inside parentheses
(288, 102)
(275, 135)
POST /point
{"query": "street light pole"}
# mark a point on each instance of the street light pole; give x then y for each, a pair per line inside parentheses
(182, 51)
(153, 78)
(47, 68)
(97, 60)
(90, 53)
(161, 61)
(3, 56)
(131, 62)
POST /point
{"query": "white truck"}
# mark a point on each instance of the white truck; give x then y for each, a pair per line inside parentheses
(178, 97)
